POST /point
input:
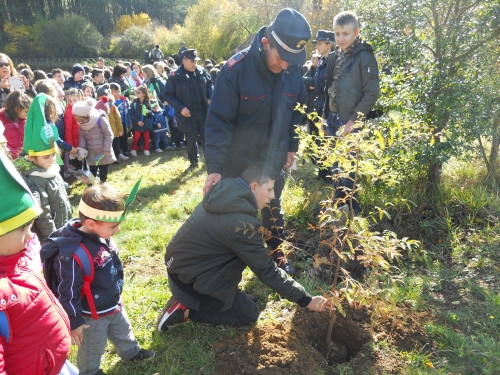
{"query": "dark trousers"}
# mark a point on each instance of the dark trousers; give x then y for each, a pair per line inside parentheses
(116, 146)
(103, 171)
(160, 138)
(343, 185)
(244, 311)
(176, 136)
(198, 123)
(123, 141)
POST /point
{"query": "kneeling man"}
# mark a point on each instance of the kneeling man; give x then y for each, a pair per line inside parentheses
(206, 257)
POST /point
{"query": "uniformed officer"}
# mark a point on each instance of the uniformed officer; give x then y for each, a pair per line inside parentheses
(188, 91)
(252, 117)
(324, 45)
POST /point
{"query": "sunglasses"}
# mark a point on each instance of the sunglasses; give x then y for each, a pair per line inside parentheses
(4, 64)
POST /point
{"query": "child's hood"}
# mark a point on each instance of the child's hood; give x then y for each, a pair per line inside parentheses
(64, 241)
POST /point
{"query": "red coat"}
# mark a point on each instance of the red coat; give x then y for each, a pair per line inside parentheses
(14, 132)
(71, 128)
(39, 340)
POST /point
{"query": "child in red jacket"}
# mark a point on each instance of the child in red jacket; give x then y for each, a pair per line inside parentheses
(13, 117)
(34, 329)
(71, 127)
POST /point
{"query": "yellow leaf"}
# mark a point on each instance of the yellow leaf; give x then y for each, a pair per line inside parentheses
(429, 365)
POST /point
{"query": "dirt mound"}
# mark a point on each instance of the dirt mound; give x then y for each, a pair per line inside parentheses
(298, 347)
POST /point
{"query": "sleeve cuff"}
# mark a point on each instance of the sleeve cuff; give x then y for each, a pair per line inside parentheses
(305, 300)
(75, 322)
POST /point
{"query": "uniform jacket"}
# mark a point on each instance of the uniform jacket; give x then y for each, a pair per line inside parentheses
(251, 117)
(308, 83)
(39, 328)
(179, 93)
(49, 186)
(319, 85)
(70, 83)
(107, 285)
(210, 252)
(136, 115)
(358, 87)
(14, 133)
(71, 127)
(97, 139)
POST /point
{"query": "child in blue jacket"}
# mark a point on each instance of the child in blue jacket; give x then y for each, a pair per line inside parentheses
(160, 127)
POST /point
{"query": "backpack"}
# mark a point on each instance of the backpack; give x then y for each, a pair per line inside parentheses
(85, 261)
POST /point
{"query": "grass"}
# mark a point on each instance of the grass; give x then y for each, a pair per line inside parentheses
(454, 275)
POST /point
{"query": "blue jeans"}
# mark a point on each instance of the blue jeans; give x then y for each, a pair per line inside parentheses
(160, 137)
(342, 185)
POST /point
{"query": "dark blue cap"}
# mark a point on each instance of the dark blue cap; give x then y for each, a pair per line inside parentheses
(291, 31)
(327, 36)
(190, 54)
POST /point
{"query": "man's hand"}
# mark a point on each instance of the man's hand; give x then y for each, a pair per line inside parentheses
(319, 303)
(77, 334)
(185, 112)
(348, 126)
(211, 180)
(208, 100)
(289, 160)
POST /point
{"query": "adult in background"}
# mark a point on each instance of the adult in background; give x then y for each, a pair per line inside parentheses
(7, 70)
(156, 54)
(178, 59)
(252, 117)
(309, 83)
(206, 257)
(77, 79)
(171, 64)
(118, 77)
(100, 63)
(188, 91)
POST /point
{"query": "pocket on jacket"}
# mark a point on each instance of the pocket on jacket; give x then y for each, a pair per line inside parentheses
(46, 361)
(354, 92)
(249, 105)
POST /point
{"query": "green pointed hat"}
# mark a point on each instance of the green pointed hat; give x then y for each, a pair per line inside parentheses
(17, 206)
(109, 216)
(39, 136)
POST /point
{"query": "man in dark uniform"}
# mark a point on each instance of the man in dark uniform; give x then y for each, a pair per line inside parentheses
(252, 117)
(178, 57)
(324, 45)
(188, 91)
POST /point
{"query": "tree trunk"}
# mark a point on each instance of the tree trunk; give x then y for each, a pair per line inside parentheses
(495, 144)
(434, 176)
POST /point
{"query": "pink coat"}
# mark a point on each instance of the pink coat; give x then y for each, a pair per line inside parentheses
(14, 133)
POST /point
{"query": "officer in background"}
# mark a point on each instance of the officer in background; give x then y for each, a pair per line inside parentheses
(188, 91)
(252, 117)
(324, 45)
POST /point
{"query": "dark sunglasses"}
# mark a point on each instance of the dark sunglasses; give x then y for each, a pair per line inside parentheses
(4, 64)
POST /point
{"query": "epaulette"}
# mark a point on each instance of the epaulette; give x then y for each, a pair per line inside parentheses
(236, 58)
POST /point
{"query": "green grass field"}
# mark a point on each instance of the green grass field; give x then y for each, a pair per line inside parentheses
(454, 278)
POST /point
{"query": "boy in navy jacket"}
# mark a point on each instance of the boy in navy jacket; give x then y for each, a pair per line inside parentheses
(98, 314)
(160, 127)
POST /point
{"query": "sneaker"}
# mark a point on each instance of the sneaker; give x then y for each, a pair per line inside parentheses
(141, 356)
(146, 153)
(126, 153)
(172, 313)
(173, 145)
(133, 153)
(122, 157)
(182, 145)
(159, 150)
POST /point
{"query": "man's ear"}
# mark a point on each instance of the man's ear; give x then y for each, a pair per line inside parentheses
(265, 43)
(253, 186)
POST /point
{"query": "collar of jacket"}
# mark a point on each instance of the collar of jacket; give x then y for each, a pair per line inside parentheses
(244, 183)
(8, 263)
(181, 72)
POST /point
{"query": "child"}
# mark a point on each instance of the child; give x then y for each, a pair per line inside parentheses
(123, 105)
(114, 117)
(353, 87)
(88, 90)
(13, 117)
(95, 136)
(34, 334)
(160, 127)
(71, 127)
(42, 171)
(140, 114)
(103, 315)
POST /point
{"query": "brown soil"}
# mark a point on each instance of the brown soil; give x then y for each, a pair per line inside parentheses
(298, 347)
